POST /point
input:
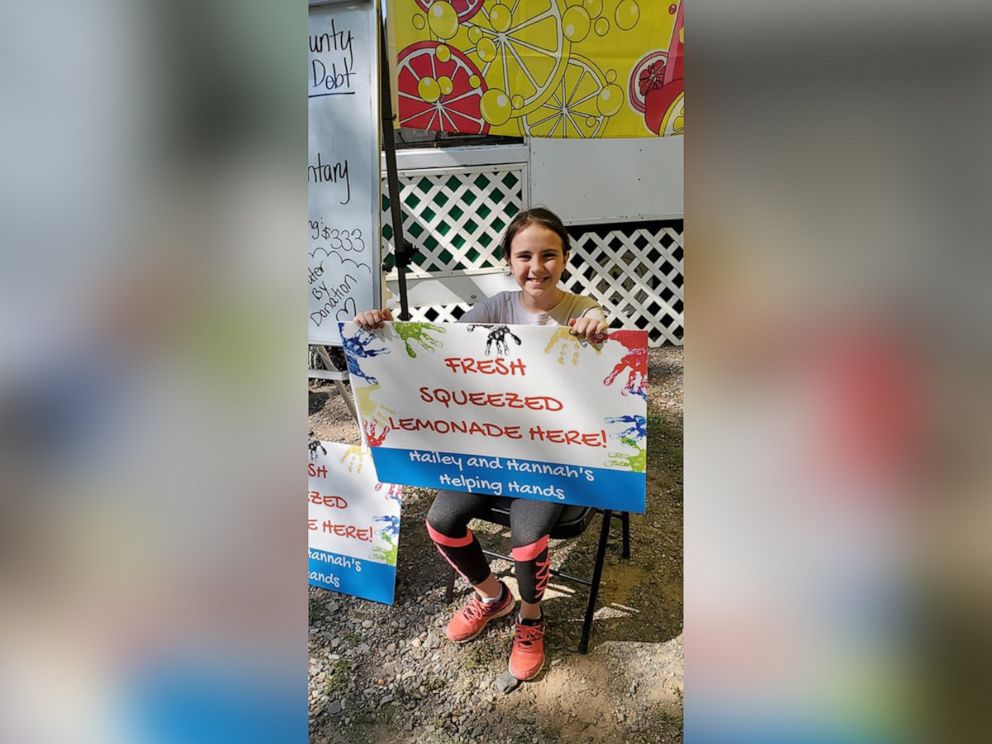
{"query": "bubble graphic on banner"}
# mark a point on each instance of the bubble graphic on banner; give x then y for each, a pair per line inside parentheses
(575, 23)
(495, 107)
(611, 76)
(517, 101)
(419, 23)
(486, 50)
(444, 83)
(443, 53)
(465, 9)
(602, 27)
(610, 100)
(474, 34)
(627, 14)
(428, 89)
(443, 19)
(593, 7)
(500, 18)
(474, 81)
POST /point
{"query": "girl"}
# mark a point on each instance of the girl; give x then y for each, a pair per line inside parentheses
(536, 247)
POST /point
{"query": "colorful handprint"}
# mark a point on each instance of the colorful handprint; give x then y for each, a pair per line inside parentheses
(636, 462)
(389, 533)
(419, 332)
(636, 360)
(497, 335)
(564, 338)
(637, 430)
(355, 348)
(313, 444)
(375, 438)
(354, 458)
(372, 410)
(387, 556)
(394, 491)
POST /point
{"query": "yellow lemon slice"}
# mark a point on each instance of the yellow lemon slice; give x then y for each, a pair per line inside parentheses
(520, 48)
(579, 107)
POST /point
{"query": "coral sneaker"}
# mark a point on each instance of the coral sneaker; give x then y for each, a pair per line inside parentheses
(472, 619)
(527, 654)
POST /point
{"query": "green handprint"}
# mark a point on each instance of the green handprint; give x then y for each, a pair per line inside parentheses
(419, 332)
(386, 556)
(636, 462)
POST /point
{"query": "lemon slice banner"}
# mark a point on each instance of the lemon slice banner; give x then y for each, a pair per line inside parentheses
(542, 68)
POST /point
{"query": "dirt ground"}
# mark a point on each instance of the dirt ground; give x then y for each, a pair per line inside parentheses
(386, 673)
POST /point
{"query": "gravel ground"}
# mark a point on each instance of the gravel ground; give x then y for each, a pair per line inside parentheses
(387, 674)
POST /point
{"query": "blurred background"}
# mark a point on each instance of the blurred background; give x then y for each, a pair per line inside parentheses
(837, 371)
(152, 410)
(153, 400)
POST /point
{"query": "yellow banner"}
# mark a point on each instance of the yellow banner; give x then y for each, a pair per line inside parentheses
(539, 68)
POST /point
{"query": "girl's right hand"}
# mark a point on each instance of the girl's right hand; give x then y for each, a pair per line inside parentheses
(372, 319)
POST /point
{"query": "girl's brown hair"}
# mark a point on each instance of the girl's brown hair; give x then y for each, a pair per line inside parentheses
(537, 216)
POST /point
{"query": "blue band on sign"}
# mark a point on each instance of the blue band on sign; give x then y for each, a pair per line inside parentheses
(346, 574)
(604, 488)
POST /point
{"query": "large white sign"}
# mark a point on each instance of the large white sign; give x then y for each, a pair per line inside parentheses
(343, 168)
(523, 411)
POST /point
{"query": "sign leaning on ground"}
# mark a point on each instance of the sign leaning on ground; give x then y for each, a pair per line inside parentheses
(524, 411)
(343, 167)
(353, 523)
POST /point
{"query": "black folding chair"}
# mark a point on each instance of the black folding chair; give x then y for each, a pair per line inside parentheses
(571, 524)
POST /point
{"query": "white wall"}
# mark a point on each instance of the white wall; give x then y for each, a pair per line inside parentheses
(613, 180)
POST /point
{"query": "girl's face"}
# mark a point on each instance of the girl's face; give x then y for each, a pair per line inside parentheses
(537, 260)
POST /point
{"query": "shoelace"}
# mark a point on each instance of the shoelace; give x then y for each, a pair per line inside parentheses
(477, 608)
(526, 635)
(473, 609)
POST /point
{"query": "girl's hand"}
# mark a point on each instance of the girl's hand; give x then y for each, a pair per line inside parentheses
(590, 329)
(371, 319)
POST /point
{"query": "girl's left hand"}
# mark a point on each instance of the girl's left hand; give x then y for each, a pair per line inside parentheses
(590, 329)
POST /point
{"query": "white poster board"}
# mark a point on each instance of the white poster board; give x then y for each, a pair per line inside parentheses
(343, 167)
(521, 411)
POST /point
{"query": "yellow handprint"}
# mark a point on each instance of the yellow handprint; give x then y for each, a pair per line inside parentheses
(372, 410)
(355, 457)
(564, 336)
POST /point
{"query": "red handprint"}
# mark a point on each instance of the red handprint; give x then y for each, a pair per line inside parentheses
(636, 361)
(375, 439)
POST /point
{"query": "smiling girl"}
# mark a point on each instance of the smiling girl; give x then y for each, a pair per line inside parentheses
(536, 248)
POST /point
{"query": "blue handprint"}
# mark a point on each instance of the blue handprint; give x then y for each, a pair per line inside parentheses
(390, 525)
(355, 348)
(637, 430)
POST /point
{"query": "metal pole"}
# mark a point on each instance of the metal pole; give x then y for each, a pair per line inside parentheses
(400, 250)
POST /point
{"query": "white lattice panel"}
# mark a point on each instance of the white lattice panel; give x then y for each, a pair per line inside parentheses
(456, 216)
(636, 274)
(438, 313)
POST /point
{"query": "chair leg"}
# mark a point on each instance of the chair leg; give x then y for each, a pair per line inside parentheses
(625, 518)
(597, 573)
(449, 592)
